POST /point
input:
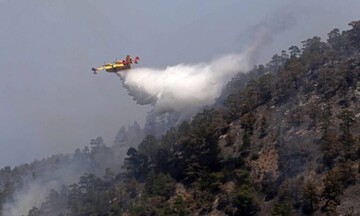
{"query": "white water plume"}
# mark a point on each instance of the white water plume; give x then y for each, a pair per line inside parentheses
(184, 88)
(187, 88)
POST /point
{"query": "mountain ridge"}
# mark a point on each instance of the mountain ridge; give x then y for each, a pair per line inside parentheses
(284, 142)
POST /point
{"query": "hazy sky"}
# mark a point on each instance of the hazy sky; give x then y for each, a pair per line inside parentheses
(50, 101)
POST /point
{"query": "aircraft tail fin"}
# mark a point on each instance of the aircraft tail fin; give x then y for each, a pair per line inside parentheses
(136, 60)
(128, 61)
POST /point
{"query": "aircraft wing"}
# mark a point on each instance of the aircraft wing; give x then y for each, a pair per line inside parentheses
(118, 65)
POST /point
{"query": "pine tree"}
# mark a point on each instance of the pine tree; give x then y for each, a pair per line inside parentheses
(310, 198)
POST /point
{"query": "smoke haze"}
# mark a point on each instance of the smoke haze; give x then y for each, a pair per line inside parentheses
(51, 103)
(40, 182)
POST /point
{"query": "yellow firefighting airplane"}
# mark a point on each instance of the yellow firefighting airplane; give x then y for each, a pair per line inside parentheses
(117, 65)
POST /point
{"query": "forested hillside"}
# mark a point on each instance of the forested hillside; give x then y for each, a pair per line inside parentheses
(283, 139)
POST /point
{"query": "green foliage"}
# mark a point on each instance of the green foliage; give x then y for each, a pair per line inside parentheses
(74, 199)
(232, 102)
(178, 207)
(137, 210)
(332, 188)
(263, 127)
(269, 187)
(189, 153)
(310, 198)
(200, 150)
(330, 208)
(242, 176)
(183, 129)
(207, 124)
(334, 39)
(149, 147)
(247, 122)
(282, 209)
(246, 141)
(294, 72)
(348, 120)
(136, 164)
(294, 51)
(330, 147)
(244, 201)
(211, 181)
(169, 139)
(159, 185)
(284, 204)
(276, 63)
(353, 35)
(346, 172)
(94, 195)
(55, 204)
(313, 52)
